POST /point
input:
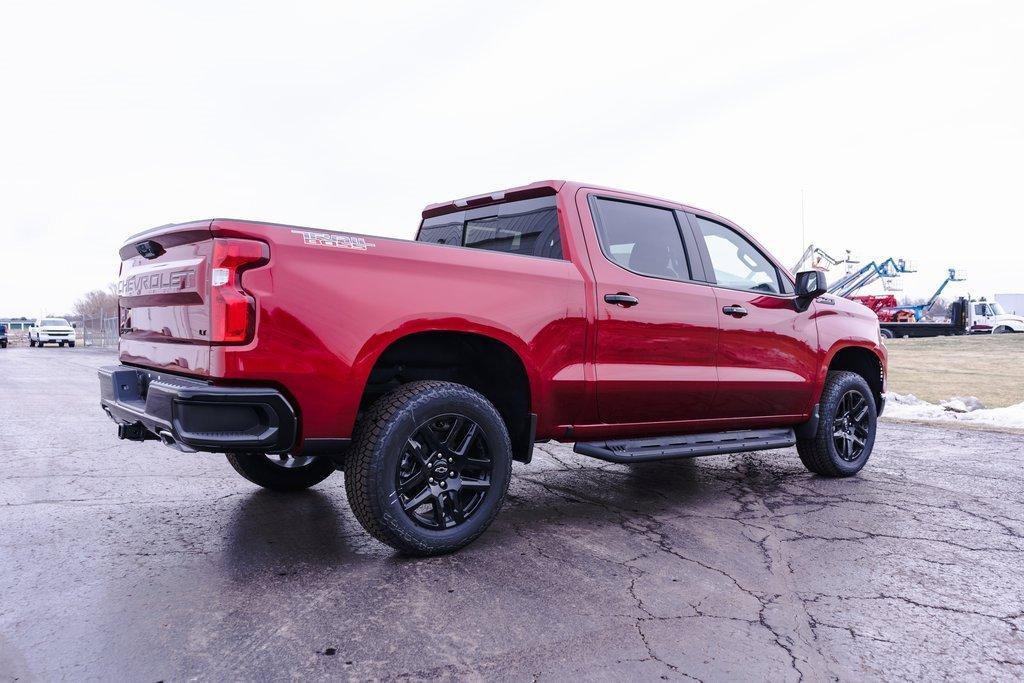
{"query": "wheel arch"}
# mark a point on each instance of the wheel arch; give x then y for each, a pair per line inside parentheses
(864, 361)
(492, 362)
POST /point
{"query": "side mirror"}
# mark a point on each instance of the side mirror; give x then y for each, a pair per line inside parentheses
(810, 284)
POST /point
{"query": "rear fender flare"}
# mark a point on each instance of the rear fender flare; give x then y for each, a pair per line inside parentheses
(380, 342)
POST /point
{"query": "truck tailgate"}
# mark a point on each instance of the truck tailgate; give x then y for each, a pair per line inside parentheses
(164, 294)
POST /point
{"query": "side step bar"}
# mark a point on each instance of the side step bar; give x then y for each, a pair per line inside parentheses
(687, 445)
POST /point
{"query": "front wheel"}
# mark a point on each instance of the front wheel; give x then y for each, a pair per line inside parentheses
(429, 467)
(846, 427)
(281, 472)
(71, 344)
(31, 342)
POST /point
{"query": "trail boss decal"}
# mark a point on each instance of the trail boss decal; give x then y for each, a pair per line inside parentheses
(326, 239)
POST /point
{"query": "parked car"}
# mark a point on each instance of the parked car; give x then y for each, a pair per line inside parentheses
(51, 330)
(639, 328)
(3, 336)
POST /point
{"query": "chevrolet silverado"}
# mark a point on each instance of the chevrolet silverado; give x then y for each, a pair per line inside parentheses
(637, 328)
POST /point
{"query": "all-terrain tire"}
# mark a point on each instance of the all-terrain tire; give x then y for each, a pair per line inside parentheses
(380, 439)
(820, 454)
(262, 471)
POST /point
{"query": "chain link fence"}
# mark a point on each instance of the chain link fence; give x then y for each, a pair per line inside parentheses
(99, 329)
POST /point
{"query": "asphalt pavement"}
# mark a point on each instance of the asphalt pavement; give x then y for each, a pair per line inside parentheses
(127, 561)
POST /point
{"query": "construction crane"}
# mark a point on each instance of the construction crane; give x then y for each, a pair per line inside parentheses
(849, 284)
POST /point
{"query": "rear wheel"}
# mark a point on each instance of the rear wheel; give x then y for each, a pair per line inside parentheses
(846, 427)
(886, 334)
(429, 467)
(281, 472)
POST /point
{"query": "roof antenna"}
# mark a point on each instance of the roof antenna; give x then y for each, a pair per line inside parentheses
(803, 231)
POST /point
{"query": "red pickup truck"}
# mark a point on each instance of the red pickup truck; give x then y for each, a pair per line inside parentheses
(638, 328)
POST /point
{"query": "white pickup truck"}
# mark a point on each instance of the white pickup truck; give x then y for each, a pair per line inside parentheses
(51, 330)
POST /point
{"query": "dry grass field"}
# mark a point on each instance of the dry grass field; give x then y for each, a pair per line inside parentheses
(990, 367)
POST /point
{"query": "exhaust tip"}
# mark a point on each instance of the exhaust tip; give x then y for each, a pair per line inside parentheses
(166, 438)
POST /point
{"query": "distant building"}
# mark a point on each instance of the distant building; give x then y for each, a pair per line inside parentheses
(17, 323)
(1013, 303)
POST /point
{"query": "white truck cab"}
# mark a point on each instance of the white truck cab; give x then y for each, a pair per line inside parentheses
(51, 330)
(989, 316)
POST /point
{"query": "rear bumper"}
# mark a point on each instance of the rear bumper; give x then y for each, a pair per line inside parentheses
(192, 415)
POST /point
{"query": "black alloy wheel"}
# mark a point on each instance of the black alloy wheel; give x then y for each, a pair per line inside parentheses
(845, 432)
(851, 425)
(428, 467)
(444, 473)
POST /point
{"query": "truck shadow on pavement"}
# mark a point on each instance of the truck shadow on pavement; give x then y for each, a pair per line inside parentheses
(288, 533)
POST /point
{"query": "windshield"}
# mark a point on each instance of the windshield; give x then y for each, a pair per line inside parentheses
(55, 322)
(997, 309)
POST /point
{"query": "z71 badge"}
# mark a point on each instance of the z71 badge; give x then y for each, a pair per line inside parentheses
(326, 239)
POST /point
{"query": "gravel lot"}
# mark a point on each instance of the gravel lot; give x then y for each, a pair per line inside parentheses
(132, 561)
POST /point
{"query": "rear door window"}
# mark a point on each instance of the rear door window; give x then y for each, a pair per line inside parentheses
(528, 227)
(641, 238)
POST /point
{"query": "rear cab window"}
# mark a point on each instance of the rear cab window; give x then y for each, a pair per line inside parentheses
(528, 227)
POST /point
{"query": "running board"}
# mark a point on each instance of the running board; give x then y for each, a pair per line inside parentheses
(687, 445)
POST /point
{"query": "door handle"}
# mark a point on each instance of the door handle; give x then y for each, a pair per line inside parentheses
(621, 299)
(734, 310)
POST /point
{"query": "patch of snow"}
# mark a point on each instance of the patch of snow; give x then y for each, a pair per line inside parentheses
(962, 404)
(965, 409)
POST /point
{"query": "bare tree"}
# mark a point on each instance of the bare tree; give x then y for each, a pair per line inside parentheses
(98, 301)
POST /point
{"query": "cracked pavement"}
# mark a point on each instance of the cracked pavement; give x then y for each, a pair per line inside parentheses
(132, 561)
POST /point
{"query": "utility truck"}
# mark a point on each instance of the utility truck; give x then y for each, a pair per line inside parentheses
(966, 316)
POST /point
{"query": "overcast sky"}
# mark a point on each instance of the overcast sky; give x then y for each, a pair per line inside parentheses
(903, 123)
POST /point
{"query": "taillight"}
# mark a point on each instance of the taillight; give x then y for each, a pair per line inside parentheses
(232, 309)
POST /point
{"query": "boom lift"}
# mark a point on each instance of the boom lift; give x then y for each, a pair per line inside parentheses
(888, 269)
(820, 260)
